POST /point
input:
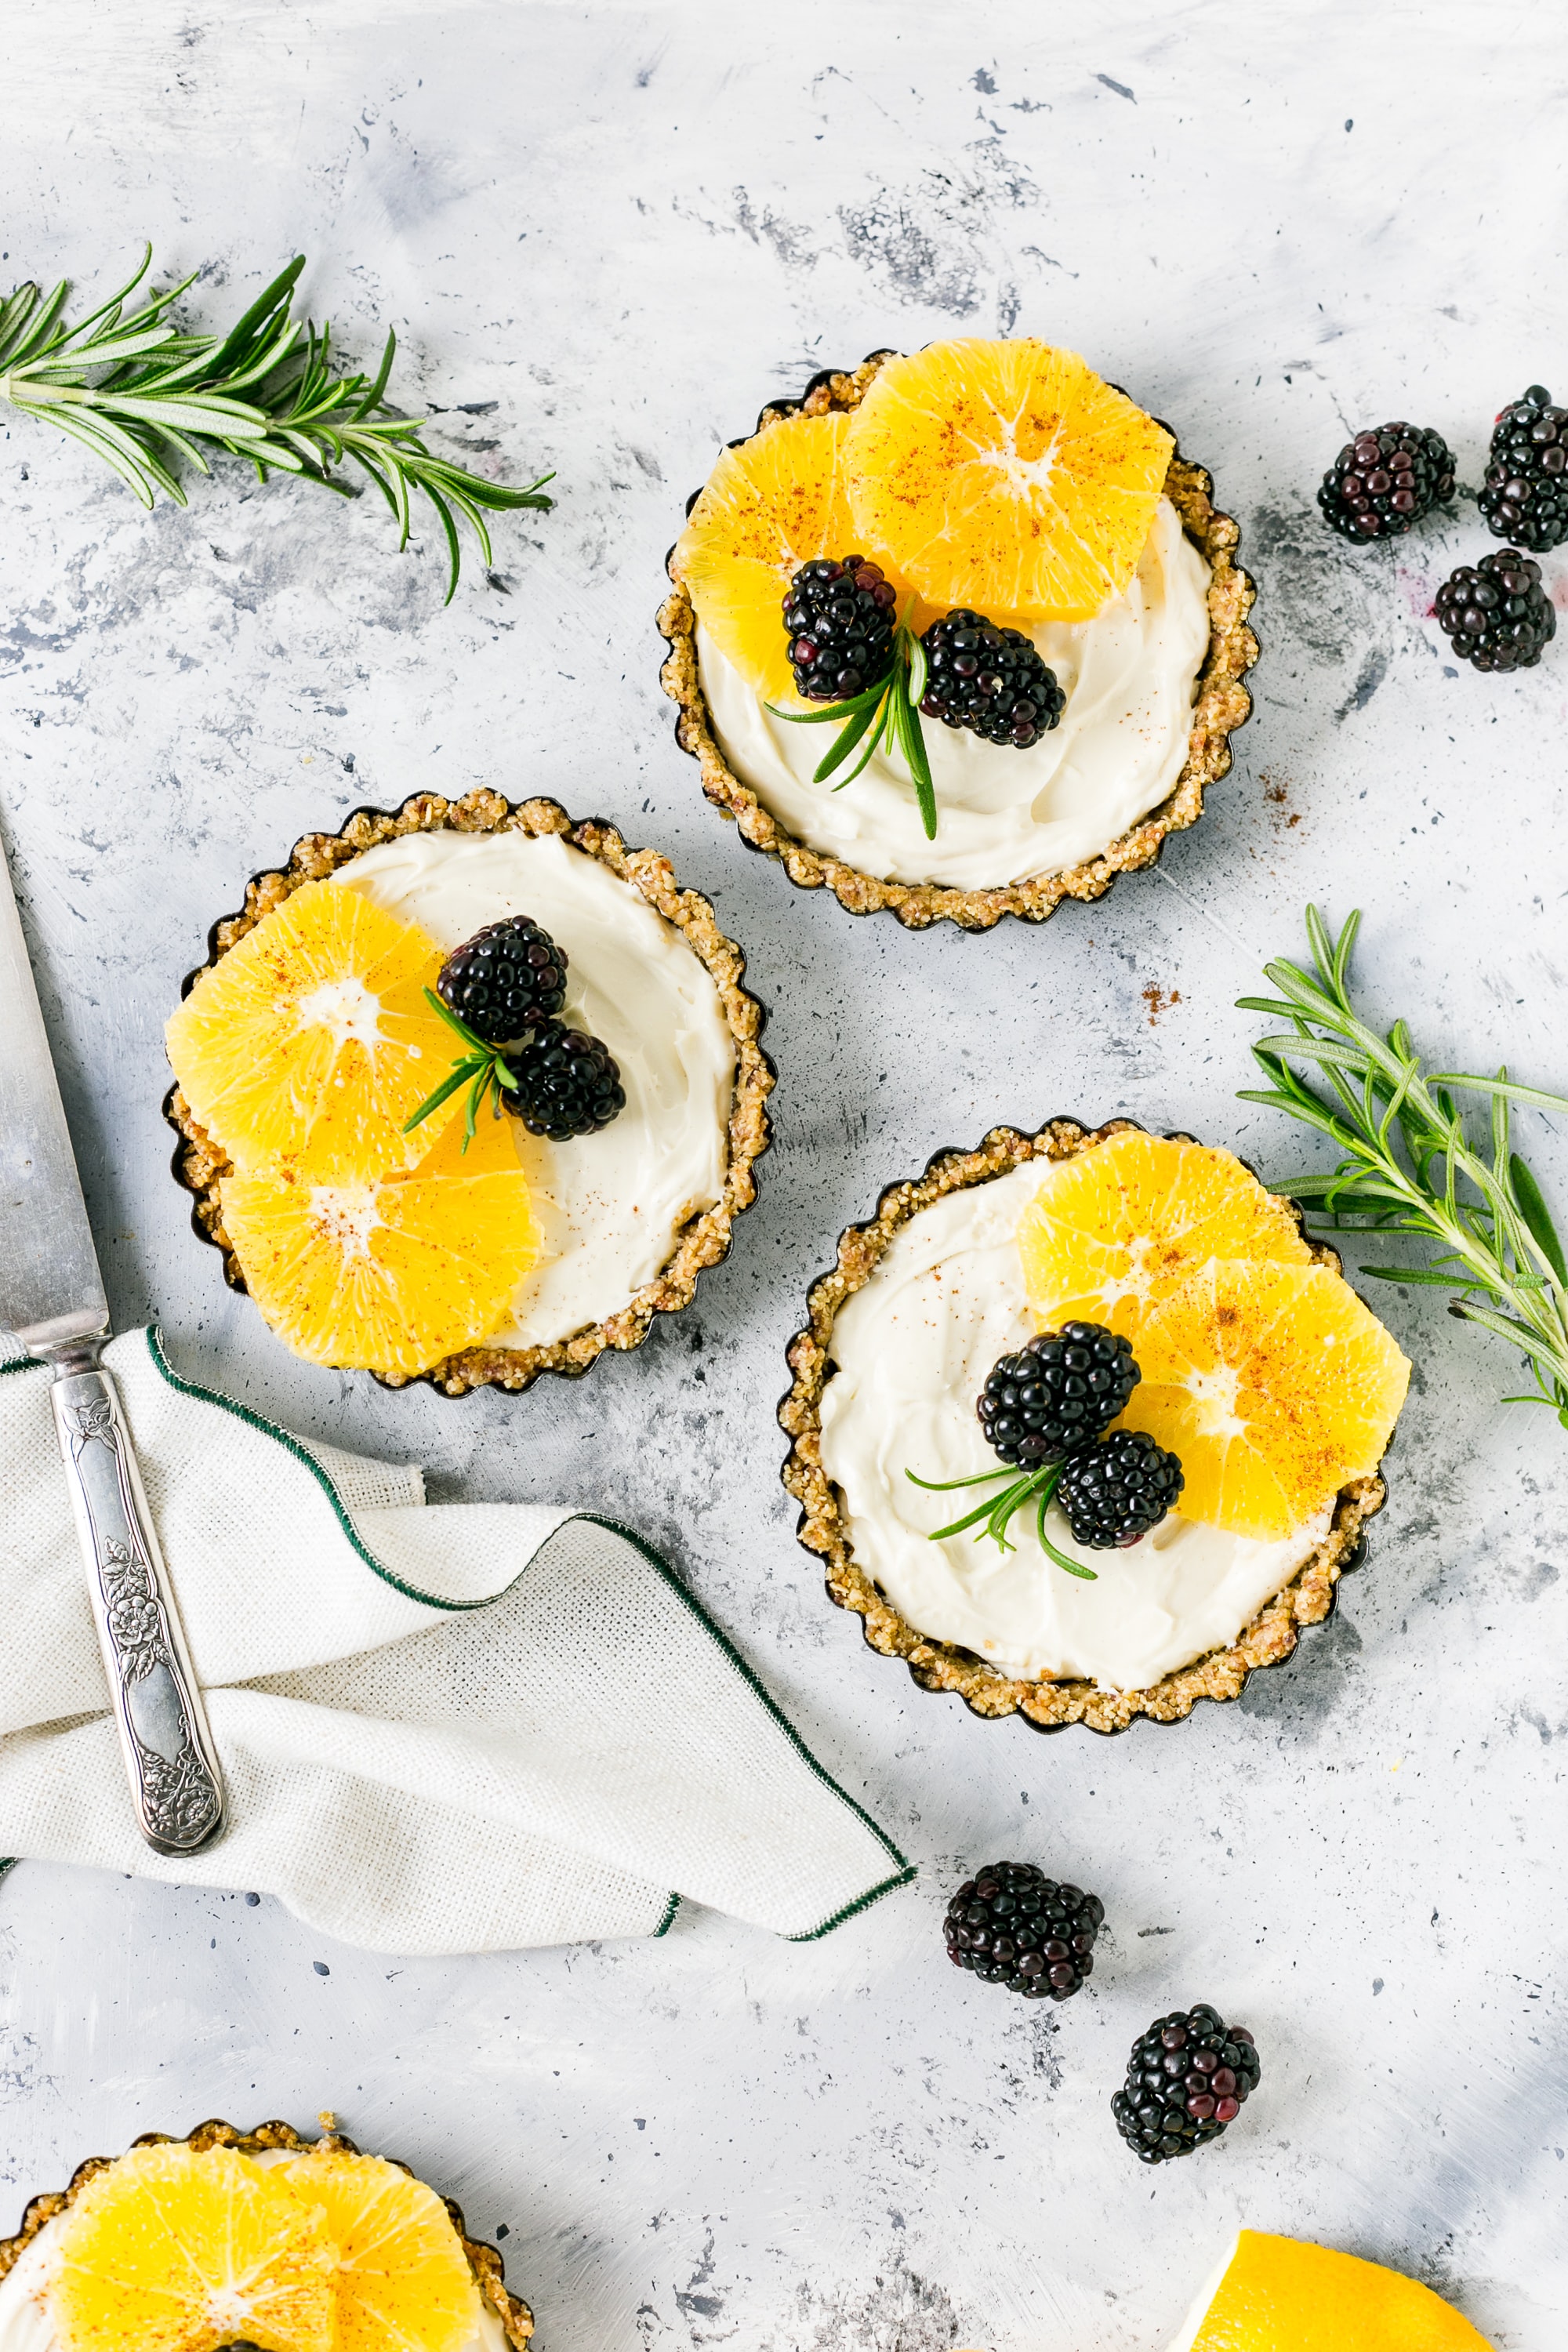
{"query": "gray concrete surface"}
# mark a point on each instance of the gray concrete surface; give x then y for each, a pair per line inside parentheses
(605, 237)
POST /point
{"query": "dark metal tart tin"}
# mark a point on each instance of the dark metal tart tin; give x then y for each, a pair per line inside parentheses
(199, 1163)
(1223, 705)
(1046, 1704)
(490, 2272)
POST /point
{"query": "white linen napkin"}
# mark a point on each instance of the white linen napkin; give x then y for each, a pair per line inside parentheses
(446, 1728)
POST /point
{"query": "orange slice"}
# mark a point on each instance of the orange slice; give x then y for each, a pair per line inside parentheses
(311, 1040)
(166, 2250)
(1118, 1228)
(1005, 475)
(768, 507)
(1278, 2294)
(1274, 1384)
(402, 2284)
(388, 1273)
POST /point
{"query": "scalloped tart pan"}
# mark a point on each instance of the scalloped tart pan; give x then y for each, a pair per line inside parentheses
(1048, 1704)
(199, 1163)
(490, 2272)
(1223, 704)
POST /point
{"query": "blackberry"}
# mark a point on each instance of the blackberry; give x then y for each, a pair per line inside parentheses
(505, 980)
(1525, 494)
(1496, 612)
(563, 1083)
(839, 616)
(1056, 1392)
(1186, 2079)
(1011, 1925)
(1115, 1491)
(1386, 479)
(991, 681)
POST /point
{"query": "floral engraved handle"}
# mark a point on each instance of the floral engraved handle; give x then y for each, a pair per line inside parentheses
(175, 1781)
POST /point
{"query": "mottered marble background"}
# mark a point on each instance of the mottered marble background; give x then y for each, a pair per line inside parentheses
(605, 237)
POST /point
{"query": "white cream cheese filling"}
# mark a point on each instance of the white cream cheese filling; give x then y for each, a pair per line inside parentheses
(1004, 815)
(25, 2291)
(611, 1206)
(913, 1349)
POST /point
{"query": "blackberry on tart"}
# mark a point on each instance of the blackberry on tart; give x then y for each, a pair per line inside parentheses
(992, 680)
(838, 615)
(1060, 1390)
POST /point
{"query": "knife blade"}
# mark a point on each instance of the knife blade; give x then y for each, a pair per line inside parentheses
(52, 1298)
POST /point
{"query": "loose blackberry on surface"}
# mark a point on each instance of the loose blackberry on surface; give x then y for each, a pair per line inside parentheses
(992, 680)
(563, 1084)
(838, 615)
(1496, 614)
(1385, 480)
(1525, 494)
(505, 980)
(1061, 1389)
(1187, 2078)
(1011, 1925)
(1115, 1490)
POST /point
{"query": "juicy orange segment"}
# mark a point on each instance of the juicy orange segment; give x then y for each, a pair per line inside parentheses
(1274, 1384)
(1005, 475)
(1118, 1228)
(166, 2250)
(311, 1039)
(774, 503)
(391, 1273)
(403, 2283)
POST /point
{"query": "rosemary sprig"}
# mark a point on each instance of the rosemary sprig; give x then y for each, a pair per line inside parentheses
(141, 395)
(484, 1069)
(888, 711)
(997, 1511)
(1407, 1165)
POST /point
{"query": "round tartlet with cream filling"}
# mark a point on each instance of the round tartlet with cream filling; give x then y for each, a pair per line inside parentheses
(1153, 679)
(628, 1216)
(901, 1334)
(471, 2308)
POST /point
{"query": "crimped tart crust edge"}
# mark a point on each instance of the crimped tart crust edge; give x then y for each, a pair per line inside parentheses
(1048, 1705)
(199, 1162)
(1223, 704)
(484, 2261)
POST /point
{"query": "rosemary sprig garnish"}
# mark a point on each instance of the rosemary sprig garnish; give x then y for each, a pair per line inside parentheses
(140, 394)
(997, 1511)
(483, 1069)
(1407, 1166)
(888, 711)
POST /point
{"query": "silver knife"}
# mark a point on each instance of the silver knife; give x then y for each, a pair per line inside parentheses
(52, 1298)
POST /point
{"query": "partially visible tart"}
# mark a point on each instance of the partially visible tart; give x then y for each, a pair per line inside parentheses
(946, 1280)
(520, 1250)
(1139, 608)
(260, 2237)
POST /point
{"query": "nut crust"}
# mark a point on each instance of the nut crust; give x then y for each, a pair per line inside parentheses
(1048, 1703)
(490, 2272)
(1223, 705)
(200, 1162)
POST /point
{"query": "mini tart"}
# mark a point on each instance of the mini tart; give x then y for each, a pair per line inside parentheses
(510, 2311)
(1048, 1703)
(1223, 704)
(200, 1163)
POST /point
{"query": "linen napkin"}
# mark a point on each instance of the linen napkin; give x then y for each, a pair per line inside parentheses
(446, 1728)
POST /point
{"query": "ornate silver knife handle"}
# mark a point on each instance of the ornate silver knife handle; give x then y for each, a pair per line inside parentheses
(175, 1783)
